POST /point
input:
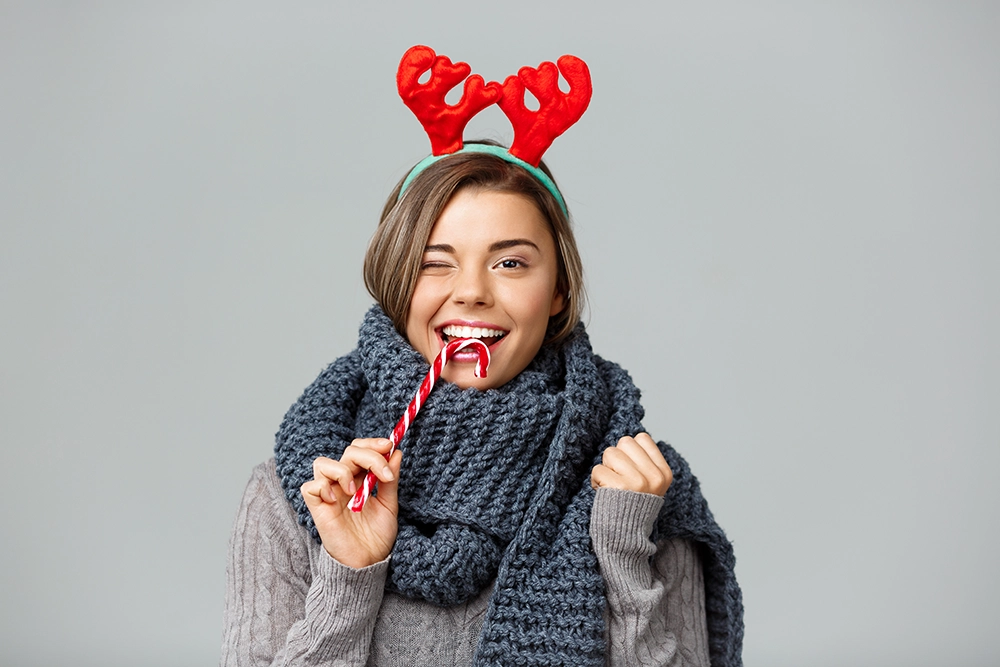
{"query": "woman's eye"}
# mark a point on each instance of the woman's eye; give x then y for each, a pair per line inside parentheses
(511, 264)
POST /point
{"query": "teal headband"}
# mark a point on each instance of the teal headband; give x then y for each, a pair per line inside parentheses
(499, 152)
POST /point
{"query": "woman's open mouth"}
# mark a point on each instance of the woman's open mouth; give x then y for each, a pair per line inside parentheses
(489, 336)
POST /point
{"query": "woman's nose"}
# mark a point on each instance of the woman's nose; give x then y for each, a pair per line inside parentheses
(472, 288)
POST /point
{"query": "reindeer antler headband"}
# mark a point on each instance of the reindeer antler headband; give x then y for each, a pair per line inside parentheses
(534, 131)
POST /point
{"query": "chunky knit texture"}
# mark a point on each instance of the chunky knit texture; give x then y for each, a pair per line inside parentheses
(495, 485)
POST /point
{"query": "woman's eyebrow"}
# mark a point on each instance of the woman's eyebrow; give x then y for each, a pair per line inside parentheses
(498, 245)
(510, 243)
(440, 247)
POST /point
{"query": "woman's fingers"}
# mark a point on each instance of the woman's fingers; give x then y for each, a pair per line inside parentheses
(317, 493)
(634, 464)
(382, 445)
(369, 454)
(648, 461)
(622, 465)
(329, 474)
(388, 489)
(603, 476)
(359, 457)
(655, 455)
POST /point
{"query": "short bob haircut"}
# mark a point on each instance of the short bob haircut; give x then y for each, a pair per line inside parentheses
(395, 253)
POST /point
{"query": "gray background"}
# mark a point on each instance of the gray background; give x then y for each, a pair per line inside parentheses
(788, 216)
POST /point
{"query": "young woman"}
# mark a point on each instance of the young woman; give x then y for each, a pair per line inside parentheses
(527, 519)
(523, 519)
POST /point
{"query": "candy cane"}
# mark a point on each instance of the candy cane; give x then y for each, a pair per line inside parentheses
(482, 363)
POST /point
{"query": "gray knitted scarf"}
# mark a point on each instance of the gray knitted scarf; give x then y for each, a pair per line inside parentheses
(495, 485)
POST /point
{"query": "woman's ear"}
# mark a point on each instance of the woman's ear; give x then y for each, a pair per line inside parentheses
(558, 303)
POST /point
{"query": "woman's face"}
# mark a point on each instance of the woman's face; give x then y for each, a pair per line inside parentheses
(488, 272)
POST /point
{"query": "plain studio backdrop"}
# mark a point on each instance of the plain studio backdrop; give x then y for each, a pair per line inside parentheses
(788, 217)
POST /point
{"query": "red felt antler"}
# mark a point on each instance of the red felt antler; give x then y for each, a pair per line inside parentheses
(443, 123)
(534, 131)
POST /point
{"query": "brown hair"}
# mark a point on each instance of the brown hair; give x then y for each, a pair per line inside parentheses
(392, 263)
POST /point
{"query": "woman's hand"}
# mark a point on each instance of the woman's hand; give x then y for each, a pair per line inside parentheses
(356, 539)
(634, 464)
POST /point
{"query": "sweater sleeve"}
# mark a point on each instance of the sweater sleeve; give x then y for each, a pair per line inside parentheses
(287, 601)
(656, 593)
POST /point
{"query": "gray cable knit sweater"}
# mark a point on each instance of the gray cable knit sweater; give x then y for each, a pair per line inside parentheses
(289, 603)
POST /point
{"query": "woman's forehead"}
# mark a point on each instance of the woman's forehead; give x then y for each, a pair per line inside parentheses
(486, 217)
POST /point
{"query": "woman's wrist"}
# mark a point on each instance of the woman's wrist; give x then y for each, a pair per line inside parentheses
(356, 561)
(621, 521)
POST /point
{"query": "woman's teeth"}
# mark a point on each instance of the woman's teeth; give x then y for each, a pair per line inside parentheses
(455, 331)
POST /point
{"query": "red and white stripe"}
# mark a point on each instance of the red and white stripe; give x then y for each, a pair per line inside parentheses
(482, 363)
